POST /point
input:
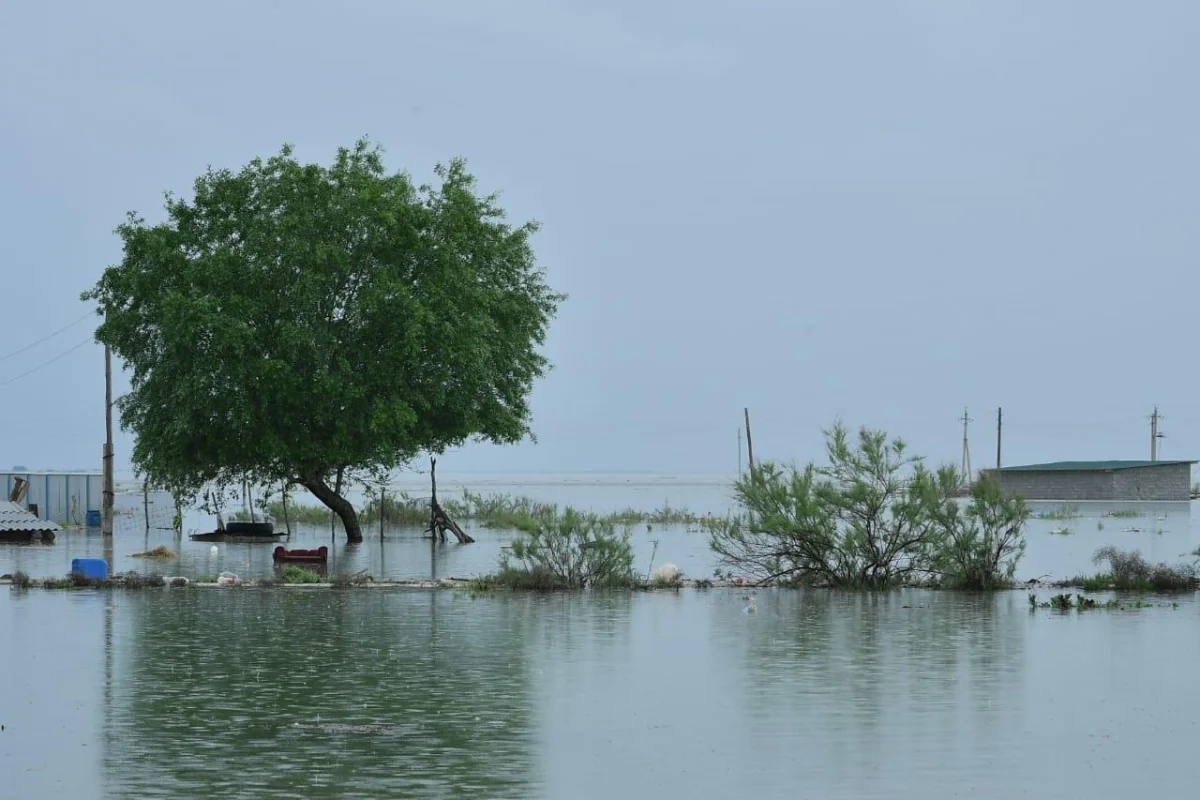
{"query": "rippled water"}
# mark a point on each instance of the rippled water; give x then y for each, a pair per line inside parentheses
(254, 693)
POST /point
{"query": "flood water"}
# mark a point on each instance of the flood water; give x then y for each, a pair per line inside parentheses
(402, 693)
(253, 693)
(1161, 531)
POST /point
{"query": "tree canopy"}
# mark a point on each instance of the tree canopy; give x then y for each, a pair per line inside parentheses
(292, 322)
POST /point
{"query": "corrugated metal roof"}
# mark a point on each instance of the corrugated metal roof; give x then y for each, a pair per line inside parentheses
(15, 518)
(1090, 466)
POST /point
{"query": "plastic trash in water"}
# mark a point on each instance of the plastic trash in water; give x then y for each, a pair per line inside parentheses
(227, 579)
(214, 550)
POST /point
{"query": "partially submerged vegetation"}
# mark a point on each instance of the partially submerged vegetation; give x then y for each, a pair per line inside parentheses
(1129, 571)
(294, 574)
(874, 518)
(1065, 602)
(159, 553)
(1069, 511)
(495, 511)
(565, 550)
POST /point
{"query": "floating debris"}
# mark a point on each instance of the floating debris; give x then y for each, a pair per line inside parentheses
(159, 552)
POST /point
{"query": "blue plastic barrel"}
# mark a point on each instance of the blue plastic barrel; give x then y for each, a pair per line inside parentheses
(95, 568)
(93, 519)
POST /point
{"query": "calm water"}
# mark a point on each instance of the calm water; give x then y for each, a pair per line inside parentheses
(240, 693)
(1166, 532)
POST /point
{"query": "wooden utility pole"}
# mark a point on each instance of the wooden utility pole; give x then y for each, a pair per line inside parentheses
(966, 453)
(999, 429)
(749, 442)
(106, 508)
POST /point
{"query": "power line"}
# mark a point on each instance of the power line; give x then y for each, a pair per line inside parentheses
(58, 357)
(46, 338)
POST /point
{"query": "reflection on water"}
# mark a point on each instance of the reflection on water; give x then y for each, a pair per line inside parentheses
(914, 694)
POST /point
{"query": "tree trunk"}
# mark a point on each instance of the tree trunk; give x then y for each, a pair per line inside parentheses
(338, 505)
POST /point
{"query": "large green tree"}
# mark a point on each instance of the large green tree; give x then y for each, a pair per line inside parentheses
(295, 322)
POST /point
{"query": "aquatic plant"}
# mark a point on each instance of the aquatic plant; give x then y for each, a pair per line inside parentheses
(1070, 511)
(1128, 513)
(875, 517)
(20, 580)
(294, 574)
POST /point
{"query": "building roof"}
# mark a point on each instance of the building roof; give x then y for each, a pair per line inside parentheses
(15, 518)
(1091, 466)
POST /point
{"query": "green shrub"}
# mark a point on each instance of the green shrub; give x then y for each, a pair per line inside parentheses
(294, 574)
(1129, 571)
(875, 517)
(568, 550)
(985, 541)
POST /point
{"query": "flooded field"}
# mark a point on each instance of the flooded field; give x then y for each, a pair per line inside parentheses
(1060, 543)
(385, 693)
(913, 694)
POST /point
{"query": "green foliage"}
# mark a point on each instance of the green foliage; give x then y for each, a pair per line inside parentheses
(568, 550)
(1129, 571)
(985, 541)
(20, 580)
(875, 517)
(293, 321)
(1070, 511)
(1127, 513)
(294, 574)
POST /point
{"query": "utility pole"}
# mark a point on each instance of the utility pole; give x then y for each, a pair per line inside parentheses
(739, 451)
(966, 453)
(1154, 434)
(999, 428)
(106, 512)
(749, 442)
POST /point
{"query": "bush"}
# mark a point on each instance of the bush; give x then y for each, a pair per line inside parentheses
(568, 550)
(1129, 571)
(294, 574)
(20, 580)
(985, 541)
(875, 517)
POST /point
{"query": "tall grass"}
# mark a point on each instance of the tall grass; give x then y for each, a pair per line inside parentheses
(499, 511)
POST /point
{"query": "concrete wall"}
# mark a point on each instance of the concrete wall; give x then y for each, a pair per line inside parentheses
(1165, 483)
(1169, 482)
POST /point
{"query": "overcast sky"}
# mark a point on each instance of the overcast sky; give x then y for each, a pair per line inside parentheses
(883, 211)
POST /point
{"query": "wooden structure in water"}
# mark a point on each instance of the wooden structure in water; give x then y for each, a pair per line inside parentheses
(439, 520)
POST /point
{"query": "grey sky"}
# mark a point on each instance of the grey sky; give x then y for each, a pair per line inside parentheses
(879, 210)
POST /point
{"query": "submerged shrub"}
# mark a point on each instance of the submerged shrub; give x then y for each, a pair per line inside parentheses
(20, 580)
(984, 541)
(1128, 570)
(875, 517)
(568, 550)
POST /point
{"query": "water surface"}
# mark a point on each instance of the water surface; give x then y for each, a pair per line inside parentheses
(913, 694)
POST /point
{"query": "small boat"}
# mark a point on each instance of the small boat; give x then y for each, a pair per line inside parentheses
(318, 556)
